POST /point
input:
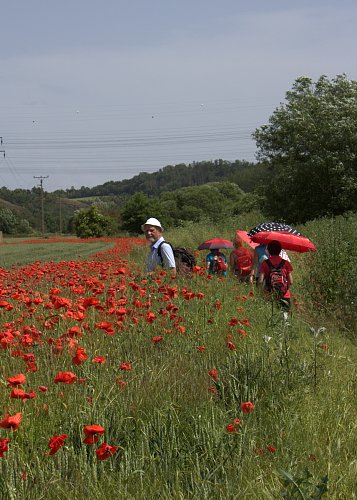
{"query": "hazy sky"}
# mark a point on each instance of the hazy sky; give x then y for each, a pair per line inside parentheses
(93, 91)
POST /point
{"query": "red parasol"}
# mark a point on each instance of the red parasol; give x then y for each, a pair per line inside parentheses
(288, 241)
(243, 235)
(215, 243)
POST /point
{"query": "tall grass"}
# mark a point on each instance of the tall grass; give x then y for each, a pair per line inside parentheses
(170, 414)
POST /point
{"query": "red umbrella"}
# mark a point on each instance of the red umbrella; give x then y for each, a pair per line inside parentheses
(288, 241)
(243, 235)
(215, 243)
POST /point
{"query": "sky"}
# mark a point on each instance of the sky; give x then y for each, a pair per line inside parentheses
(96, 91)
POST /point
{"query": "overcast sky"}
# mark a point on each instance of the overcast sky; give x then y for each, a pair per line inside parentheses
(93, 91)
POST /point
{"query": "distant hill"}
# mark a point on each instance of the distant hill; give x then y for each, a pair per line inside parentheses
(170, 178)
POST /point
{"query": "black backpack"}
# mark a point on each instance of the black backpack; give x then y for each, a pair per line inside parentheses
(185, 260)
(276, 281)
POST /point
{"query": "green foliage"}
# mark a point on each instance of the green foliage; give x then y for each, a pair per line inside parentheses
(310, 145)
(330, 275)
(303, 487)
(138, 209)
(173, 177)
(8, 221)
(91, 223)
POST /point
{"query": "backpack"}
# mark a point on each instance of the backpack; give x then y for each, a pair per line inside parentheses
(276, 281)
(219, 265)
(184, 259)
(243, 262)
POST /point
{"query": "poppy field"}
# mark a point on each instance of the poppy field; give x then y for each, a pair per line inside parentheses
(114, 384)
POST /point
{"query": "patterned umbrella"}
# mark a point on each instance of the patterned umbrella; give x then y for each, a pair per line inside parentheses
(273, 226)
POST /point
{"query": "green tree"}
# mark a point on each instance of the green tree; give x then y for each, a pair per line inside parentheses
(8, 221)
(310, 145)
(91, 223)
(138, 209)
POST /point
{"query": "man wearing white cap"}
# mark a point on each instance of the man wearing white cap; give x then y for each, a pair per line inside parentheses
(153, 232)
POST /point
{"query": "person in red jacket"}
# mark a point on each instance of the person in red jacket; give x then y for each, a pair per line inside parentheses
(241, 260)
(266, 270)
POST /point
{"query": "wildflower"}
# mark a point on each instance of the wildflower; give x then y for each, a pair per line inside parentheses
(65, 377)
(231, 346)
(233, 426)
(247, 407)
(271, 449)
(56, 442)
(200, 348)
(4, 446)
(213, 373)
(11, 422)
(157, 339)
(80, 356)
(125, 366)
(233, 322)
(99, 359)
(105, 451)
(16, 380)
(91, 432)
(43, 388)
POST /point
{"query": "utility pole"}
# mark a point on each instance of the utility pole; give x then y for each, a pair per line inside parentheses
(42, 211)
(60, 214)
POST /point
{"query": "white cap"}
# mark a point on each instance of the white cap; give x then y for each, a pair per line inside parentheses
(152, 222)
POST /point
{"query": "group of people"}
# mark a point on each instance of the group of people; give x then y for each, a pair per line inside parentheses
(263, 266)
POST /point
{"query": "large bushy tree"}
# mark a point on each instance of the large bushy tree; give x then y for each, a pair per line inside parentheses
(310, 146)
(91, 223)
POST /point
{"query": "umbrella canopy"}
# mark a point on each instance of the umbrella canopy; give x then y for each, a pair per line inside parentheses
(273, 226)
(288, 241)
(215, 243)
(243, 235)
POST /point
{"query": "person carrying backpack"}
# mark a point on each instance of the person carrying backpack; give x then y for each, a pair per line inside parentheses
(216, 262)
(241, 260)
(276, 272)
(153, 230)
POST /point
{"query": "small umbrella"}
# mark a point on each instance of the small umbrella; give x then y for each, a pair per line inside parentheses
(243, 235)
(273, 226)
(288, 241)
(215, 243)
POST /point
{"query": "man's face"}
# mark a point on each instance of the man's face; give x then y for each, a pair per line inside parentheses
(152, 233)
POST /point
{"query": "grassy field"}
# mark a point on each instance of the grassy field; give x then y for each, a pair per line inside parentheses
(191, 388)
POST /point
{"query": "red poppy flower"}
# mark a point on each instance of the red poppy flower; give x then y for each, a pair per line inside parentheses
(21, 394)
(231, 428)
(105, 451)
(80, 356)
(125, 367)
(231, 346)
(16, 380)
(4, 446)
(213, 373)
(65, 377)
(11, 422)
(157, 339)
(90, 301)
(91, 432)
(271, 449)
(233, 322)
(99, 359)
(247, 407)
(200, 348)
(56, 442)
